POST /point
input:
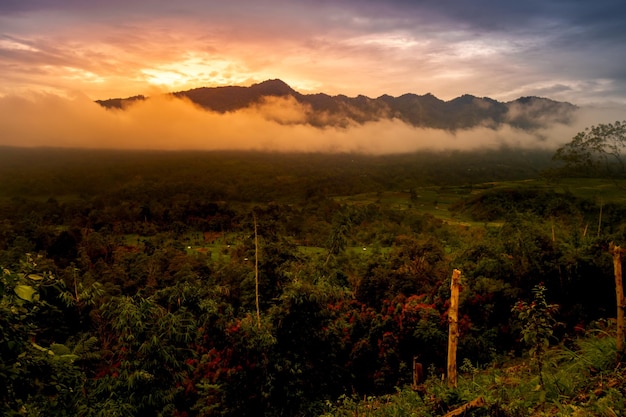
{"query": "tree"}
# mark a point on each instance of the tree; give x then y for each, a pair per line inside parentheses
(146, 355)
(598, 150)
(39, 376)
(338, 240)
(538, 323)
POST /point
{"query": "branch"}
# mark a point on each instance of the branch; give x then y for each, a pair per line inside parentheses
(476, 403)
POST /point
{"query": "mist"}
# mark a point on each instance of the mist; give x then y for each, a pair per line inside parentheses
(277, 124)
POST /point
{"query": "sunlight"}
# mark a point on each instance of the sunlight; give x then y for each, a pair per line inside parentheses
(196, 71)
(164, 78)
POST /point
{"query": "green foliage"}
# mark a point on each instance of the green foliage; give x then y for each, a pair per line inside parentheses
(405, 403)
(145, 349)
(140, 300)
(39, 378)
(579, 381)
(538, 323)
(503, 201)
(598, 150)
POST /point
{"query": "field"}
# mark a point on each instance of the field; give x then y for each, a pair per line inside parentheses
(238, 284)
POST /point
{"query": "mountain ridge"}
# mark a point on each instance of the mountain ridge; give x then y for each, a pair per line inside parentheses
(427, 111)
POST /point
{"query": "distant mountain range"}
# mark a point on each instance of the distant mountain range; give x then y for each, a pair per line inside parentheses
(467, 111)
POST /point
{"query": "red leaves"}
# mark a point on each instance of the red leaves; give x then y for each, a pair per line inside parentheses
(111, 370)
(234, 328)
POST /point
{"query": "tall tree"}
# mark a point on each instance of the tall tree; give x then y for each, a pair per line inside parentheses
(598, 150)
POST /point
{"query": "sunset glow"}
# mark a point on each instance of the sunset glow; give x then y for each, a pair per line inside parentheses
(490, 49)
(496, 50)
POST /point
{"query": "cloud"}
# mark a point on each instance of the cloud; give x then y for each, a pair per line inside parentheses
(167, 123)
(488, 48)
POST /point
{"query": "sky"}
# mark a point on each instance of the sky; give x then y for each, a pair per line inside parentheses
(77, 51)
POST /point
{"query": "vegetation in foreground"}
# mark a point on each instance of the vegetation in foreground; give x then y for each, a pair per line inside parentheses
(581, 379)
(126, 293)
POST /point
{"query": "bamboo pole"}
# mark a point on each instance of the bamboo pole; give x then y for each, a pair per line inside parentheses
(453, 331)
(256, 272)
(600, 218)
(618, 253)
(418, 373)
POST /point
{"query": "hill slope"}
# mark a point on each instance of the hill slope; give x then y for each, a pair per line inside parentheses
(464, 112)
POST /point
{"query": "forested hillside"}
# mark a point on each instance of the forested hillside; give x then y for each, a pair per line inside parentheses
(426, 110)
(247, 284)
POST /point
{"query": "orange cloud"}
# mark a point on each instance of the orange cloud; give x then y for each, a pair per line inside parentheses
(169, 123)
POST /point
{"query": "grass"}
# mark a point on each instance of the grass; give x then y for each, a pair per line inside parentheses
(581, 380)
(433, 201)
(437, 201)
(594, 189)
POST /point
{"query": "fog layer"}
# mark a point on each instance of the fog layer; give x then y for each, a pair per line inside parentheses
(167, 123)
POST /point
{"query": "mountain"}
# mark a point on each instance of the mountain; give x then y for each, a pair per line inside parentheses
(467, 111)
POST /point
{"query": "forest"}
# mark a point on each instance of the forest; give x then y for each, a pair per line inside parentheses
(143, 283)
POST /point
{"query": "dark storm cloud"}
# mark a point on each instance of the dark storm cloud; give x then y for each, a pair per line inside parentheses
(506, 15)
(601, 19)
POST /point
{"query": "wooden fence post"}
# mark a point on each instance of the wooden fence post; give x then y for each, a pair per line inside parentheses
(453, 332)
(418, 373)
(618, 253)
(256, 272)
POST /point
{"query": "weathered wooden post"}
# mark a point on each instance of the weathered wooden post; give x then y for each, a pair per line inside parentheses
(453, 332)
(618, 253)
(256, 271)
(418, 373)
